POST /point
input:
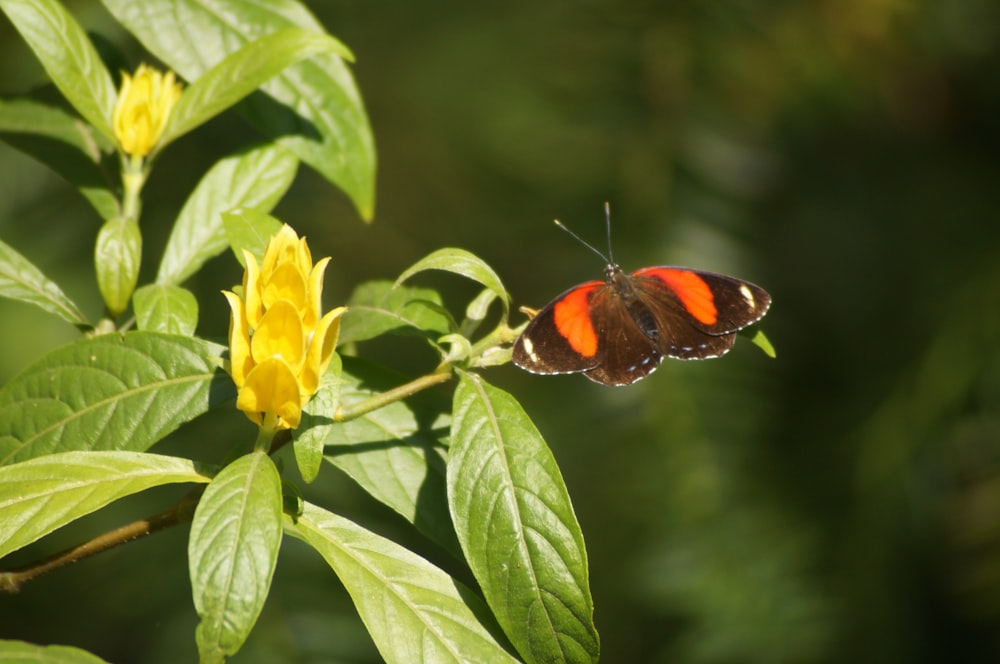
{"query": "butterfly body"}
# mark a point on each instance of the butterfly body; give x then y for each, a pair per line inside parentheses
(618, 330)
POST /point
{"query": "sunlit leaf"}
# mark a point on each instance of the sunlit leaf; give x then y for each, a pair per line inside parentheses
(64, 143)
(242, 72)
(460, 261)
(110, 392)
(169, 309)
(313, 108)
(395, 453)
(377, 307)
(251, 229)
(317, 419)
(116, 257)
(40, 495)
(68, 57)
(516, 525)
(21, 280)
(413, 610)
(232, 552)
(257, 178)
(759, 339)
(17, 652)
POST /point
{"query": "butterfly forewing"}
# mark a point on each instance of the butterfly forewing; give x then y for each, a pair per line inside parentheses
(555, 346)
(713, 303)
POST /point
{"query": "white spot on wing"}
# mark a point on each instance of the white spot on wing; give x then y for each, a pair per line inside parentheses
(748, 296)
(529, 348)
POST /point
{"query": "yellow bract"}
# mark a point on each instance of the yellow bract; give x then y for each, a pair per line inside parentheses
(279, 344)
(143, 108)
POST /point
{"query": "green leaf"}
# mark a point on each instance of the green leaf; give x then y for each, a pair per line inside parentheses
(313, 108)
(41, 495)
(169, 309)
(460, 261)
(21, 280)
(395, 453)
(64, 143)
(110, 392)
(68, 57)
(257, 178)
(516, 525)
(232, 552)
(241, 73)
(475, 312)
(17, 652)
(413, 610)
(759, 339)
(250, 229)
(377, 307)
(117, 257)
(317, 419)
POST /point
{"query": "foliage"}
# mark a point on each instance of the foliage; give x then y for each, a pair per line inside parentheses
(77, 425)
(839, 504)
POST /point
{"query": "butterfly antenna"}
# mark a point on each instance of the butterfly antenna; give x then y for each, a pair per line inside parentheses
(607, 223)
(582, 241)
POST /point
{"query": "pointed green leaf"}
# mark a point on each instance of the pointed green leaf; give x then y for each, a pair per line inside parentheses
(459, 261)
(475, 312)
(168, 309)
(110, 392)
(68, 57)
(759, 339)
(241, 73)
(21, 280)
(40, 495)
(250, 229)
(62, 142)
(413, 610)
(232, 552)
(377, 307)
(20, 652)
(257, 178)
(317, 419)
(395, 453)
(313, 108)
(116, 258)
(516, 524)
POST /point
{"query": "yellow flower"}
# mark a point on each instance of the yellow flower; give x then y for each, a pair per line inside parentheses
(279, 345)
(143, 108)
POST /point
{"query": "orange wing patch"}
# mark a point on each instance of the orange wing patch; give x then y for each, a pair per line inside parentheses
(572, 319)
(690, 289)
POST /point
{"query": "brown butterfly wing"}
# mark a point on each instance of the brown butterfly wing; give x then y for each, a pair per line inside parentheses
(626, 352)
(696, 313)
(544, 348)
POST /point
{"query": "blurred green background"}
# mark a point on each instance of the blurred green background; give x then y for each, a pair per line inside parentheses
(838, 503)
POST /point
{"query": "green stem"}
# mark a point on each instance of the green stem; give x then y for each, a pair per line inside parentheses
(265, 434)
(183, 511)
(133, 178)
(503, 334)
(441, 375)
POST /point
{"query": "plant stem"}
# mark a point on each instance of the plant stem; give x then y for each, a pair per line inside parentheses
(183, 511)
(133, 178)
(440, 375)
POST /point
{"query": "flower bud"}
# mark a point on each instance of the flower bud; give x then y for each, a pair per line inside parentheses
(143, 108)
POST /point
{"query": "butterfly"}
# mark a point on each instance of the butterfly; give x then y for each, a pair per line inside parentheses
(618, 330)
